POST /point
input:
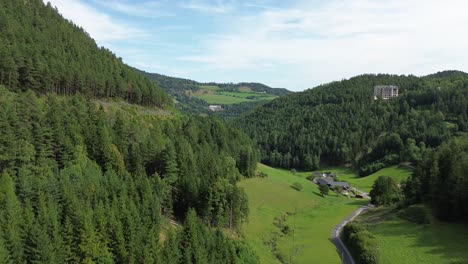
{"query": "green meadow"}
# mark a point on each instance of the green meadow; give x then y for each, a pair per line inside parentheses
(308, 216)
(214, 95)
(221, 99)
(401, 241)
(365, 183)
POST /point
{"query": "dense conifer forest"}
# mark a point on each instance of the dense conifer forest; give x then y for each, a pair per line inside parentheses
(42, 51)
(80, 183)
(340, 122)
(87, 181)
(440, 181)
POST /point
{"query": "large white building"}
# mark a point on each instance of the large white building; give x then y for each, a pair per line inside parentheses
(385, 91)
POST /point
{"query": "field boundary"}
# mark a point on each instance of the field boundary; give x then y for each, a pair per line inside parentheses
(345, 256)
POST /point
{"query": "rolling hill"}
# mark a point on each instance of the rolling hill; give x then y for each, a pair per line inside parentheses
(340, 122)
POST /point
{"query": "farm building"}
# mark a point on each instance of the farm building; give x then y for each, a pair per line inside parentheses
(332, 183)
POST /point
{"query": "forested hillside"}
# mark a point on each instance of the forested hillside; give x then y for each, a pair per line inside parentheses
(183, 89)
(42, 51)
(340, 122)
(80, 183)
(88, 181)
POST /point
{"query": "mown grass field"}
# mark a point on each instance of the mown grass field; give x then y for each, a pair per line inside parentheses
(365, 183)
(314, 218)
(401, 241)
(219, 99)
(214, 95)
(259, 96)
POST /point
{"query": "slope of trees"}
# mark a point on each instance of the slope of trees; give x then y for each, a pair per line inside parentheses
(41, 51)
(83, 184)
(441, 181)
(341, 123)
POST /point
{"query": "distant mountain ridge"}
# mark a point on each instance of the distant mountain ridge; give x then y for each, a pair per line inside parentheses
(183, 91)
(169, 83)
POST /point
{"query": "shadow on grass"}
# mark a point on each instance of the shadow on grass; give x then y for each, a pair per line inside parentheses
(318, 194)
(361, 202)
(442, 239)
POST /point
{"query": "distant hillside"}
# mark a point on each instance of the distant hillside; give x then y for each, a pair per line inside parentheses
(42, 51)
(172, 84)
(340, 122)
(195, 96)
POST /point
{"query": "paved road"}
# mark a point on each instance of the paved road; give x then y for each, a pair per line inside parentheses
(344, 253)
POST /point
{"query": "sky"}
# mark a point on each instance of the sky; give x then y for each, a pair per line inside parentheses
(290, 44)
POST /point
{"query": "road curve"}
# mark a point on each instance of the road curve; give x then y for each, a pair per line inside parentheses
(345, 256)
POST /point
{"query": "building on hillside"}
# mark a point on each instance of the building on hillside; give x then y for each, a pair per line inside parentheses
(385, 92)
(215, 108)
(332, 183)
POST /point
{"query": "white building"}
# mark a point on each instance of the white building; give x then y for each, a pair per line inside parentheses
(215, 108)
(385, 92)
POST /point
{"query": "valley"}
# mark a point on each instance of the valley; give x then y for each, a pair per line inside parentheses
(101, 162)
(309, 216)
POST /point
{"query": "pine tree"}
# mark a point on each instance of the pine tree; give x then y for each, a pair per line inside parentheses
(10, 219)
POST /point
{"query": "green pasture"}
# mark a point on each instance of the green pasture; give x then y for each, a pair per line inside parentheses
(401, 241)
(311, 221)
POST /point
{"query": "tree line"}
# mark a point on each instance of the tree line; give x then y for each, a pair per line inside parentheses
(440, 181)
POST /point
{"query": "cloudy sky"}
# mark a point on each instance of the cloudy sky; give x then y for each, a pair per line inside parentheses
(292, 44)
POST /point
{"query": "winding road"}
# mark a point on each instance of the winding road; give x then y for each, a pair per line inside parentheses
(346, 257)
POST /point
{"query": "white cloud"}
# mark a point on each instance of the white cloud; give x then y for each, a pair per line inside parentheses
(147, 9)
(340, 39)
(217, 7)
(102, 27)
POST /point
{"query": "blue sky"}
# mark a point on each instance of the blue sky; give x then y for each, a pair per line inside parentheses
(291, 44)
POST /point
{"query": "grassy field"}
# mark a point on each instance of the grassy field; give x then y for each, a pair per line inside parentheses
(221, 99)
(214, 95)
(365, 183)
(259, 96)
(312, 221)
(401, 241)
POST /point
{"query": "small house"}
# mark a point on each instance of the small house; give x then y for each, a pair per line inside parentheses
(215, 108)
